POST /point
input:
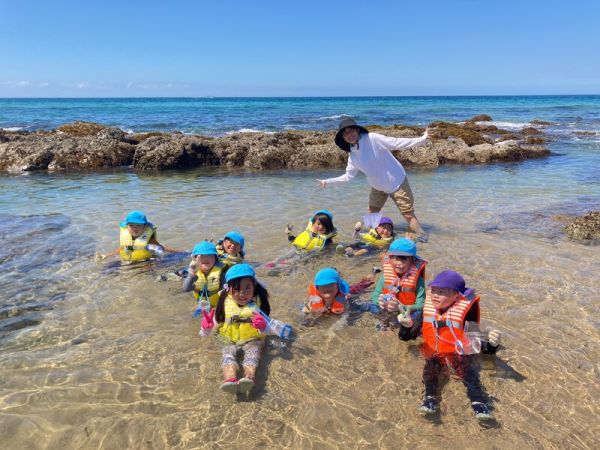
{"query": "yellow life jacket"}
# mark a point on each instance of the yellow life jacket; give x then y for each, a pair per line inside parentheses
(209, 286)
(373, 238)
(308, 240)
(226, 258)
(136, 250)
(235, 331)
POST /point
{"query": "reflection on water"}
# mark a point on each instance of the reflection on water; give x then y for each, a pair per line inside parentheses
(112, 359)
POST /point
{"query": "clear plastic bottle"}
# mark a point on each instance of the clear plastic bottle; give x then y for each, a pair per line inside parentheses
(158, 250)
(280, 329)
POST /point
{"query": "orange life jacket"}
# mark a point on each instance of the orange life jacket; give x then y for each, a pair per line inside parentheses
(404, 288)
(444, 333)
(317, 304)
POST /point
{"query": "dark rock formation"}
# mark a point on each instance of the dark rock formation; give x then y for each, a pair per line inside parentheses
(585, 228)
(85, 145)
(481, 118)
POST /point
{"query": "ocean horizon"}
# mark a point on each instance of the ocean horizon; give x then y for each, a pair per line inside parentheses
(215, 116)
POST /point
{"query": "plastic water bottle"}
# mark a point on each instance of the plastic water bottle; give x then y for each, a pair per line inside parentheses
(203, 305)
(158, 250)
(279, 329)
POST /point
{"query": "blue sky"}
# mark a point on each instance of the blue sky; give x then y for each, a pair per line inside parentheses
(309, 48)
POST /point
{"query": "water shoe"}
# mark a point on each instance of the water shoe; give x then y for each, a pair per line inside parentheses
(230, 385)
(482, 411)
(423, 237)
(246, 385)
(429, 405)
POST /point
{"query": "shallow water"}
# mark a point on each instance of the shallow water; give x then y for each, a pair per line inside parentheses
(102, 358)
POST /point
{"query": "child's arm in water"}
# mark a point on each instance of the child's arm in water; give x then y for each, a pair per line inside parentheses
(154, 241)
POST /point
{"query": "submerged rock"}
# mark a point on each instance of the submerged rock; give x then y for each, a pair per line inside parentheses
(86, 145)
(585, 228)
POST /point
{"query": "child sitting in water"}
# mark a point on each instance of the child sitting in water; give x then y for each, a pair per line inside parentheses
(205, 274)
(328, 294)
(401, 288)
(137, 240)
(240, 326)
(449, 305)
(319, 232)
(231, 248)
(379, 236)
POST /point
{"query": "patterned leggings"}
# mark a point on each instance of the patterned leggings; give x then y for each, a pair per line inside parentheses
(252, 351)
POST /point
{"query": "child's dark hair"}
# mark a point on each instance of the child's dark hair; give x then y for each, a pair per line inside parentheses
(325, 221)
(393, 234)
(259, 291)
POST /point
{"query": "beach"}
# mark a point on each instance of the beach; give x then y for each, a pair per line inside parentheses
(95, 356)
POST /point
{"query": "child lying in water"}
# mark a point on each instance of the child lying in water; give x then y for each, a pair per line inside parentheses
(378, 236)
(319, 234)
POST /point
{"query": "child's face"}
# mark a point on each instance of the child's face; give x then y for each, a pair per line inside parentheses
(328, 291)
(401, 263)
(135, 229)
(318, 227)
(231, 247)
(245, 293)
(443, 298)
(385, 230)
(205, 262)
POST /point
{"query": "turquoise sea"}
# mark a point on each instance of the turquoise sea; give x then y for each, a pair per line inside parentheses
(97, 356)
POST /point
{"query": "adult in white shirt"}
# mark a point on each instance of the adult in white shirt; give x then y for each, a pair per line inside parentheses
(370, 154)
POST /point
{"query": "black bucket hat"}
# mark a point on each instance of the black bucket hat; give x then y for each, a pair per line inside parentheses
(345, 123)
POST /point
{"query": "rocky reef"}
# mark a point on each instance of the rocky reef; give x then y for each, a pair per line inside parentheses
(85, 145)
(585, 228)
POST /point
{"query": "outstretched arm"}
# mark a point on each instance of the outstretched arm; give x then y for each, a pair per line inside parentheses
(351, 172)
(392, 143)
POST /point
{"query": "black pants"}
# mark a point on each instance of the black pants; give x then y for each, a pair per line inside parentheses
(463, 368)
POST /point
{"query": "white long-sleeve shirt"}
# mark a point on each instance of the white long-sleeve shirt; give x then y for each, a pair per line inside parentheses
(373, 158)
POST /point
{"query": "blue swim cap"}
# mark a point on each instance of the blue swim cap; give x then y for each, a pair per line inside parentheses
(323, 211)
(239, 271)
(327, 276)
(135, 217)
(236, 237)
(204, 248)
(404, 247)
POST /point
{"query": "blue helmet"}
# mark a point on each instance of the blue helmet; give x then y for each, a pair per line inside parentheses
(239, 271)
(403, 247)
(236, 237)
(135, 217)
(204, 248)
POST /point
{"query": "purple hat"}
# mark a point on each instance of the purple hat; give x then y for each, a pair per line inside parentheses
(449, 279)
(385, 220)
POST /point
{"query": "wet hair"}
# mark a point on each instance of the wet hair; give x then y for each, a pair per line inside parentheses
(325, 221)
(259, 291)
